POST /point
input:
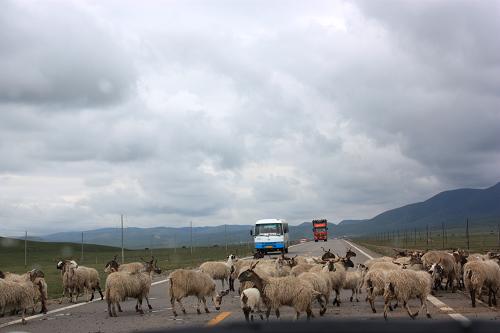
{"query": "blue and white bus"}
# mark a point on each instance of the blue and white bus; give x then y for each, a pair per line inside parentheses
(271, 235)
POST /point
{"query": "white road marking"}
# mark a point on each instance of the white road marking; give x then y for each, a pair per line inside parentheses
(437, 303)
(19, 321)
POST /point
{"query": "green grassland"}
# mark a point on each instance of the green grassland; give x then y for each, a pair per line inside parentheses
(481, 240)
(45, 256)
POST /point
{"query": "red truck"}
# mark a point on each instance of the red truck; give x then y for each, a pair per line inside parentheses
(320, 230)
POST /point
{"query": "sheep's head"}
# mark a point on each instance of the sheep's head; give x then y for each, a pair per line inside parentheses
(232, 257)
(327, 254)
(111, 266)
(400, 253)
(152, 266)
(60, 265)
(218, 298)
(347, 262)
(2, 275)
(329, 266)
(415, 259)
(258, 255)
(249, 274)
(350, 253)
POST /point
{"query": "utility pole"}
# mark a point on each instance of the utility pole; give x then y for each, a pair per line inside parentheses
(427, 227)
(123, 252)
(81, 257)
(415, 237)
(498, 239)
(25, 248)
(467, 233)
(442, 234)
(191, 236)
(225, 236)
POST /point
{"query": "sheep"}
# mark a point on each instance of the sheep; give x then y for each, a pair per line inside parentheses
(405, 284)
(19, 294)
(275, 292)
(482, 273)
(185, 283)
(368, 263)
(375, 283)
(39, 285)
(135, 267)
(354, 280)
(387, 266)
(321, 284)
(250, 302)
(120, 285)
(305, 260)
(447, 262)
(301, 268)
(78, 279)
(337, 273)
(219, 271)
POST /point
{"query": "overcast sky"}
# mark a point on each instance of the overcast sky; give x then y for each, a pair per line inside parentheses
(230, 111)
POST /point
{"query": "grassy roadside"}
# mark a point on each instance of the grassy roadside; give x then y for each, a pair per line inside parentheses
(478, 242)
(46, 255)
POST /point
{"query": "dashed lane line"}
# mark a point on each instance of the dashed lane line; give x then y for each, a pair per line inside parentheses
(436, 302)
(220, 317)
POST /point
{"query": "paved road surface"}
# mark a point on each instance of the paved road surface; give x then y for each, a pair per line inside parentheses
(92, 317)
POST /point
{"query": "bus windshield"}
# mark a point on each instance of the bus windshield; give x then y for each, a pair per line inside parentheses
(321, 229)
(268, 229)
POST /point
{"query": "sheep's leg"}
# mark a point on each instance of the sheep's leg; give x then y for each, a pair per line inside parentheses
(277, 313)
(172, 303)
(352, 295)
(198, 306)
(386, 307)
(23, 315)
(205, 304)
(297, 315)
(423, 305)
(139, 302)
(147, 301)
(407, 307)
(268, 313)
(309, 313)
(372, 303)
(92, 296)
(100, 292)
(119, 307)
(182, 306)
(246, 312)
(114, 308)
(109, 309)
(473, 297)
(222, 280)
(323, 302)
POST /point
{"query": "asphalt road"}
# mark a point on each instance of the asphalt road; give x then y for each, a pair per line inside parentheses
(93, 317)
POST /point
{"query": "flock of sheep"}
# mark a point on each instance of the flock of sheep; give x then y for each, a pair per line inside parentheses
(268, 284)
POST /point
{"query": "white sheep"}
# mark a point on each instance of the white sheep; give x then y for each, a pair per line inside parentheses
(478, 274)
(447, 262)
(250, 302)
(18, 295)
(354, 280)
(185, 283)
(278, 291)
(222, 271)
(321, 284)
(405, 284)
(39, 285)
(368, 263)
(120, 285)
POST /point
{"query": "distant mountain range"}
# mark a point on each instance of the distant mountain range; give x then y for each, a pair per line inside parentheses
(481, 206)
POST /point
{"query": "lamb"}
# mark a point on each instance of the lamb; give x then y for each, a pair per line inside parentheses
(220, 271)
(405, 284)
(250, 302)
(275, 292)
(354, 280)
(482, 273)
(39, 285)
(120, 285)
(185, 283)
(337, 278)
(375, 284)
(19, 294)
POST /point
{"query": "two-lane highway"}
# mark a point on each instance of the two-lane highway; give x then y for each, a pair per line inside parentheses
(93, 317)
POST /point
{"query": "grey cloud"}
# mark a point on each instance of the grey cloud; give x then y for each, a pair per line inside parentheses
(66, 62)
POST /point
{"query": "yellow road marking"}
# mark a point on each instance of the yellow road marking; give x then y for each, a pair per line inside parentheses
(219, 318)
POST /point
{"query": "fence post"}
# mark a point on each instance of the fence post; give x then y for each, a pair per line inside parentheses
(467, 233)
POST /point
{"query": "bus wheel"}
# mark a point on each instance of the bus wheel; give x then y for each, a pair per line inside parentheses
(325, 240)
(286, 250)
(316, 240)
